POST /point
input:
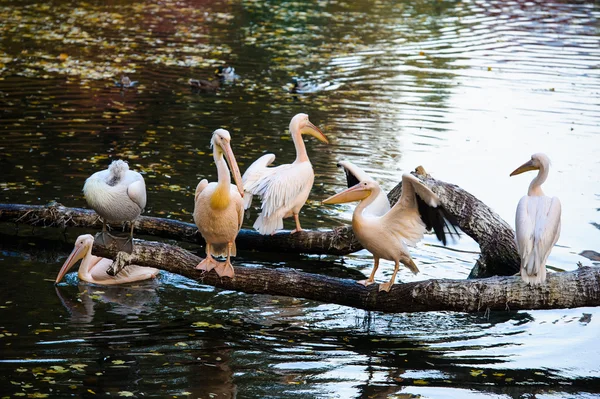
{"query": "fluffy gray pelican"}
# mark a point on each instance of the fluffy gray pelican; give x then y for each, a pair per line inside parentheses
(354, 175)
(118, 195)
(387, 236)
(93, 268)
(284, 188)
(219, 207)
(537, 222)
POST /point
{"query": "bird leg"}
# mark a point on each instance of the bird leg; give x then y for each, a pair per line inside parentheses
(386, 286)
(298, 227)
(128, 244)
(225, 269)
(105, 238)
(371, 278)
(209, 262)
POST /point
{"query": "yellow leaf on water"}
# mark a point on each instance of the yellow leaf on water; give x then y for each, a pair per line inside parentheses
(125, 393)
(118, 362)
(475, 373)
(420, 382)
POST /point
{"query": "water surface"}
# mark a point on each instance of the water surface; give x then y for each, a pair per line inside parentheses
(468, 89)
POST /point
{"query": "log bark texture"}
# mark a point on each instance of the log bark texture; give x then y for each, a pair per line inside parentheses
(561, 290)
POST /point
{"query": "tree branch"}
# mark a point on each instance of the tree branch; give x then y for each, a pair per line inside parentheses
(561, 290)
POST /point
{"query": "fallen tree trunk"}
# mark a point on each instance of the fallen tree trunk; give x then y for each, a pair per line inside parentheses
(561, 290)
(494, 235)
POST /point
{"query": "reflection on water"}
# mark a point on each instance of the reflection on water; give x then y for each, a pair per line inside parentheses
(469, 90)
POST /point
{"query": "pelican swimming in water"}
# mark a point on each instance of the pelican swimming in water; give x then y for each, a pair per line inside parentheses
(93, 268)
(537, 222)
(387, 236)
(118, 195)
(283, 189)
(355, 175)
(219, 207)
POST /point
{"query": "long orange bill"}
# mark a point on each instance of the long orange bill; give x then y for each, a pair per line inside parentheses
(235, 170)
(315, 132)
(527, 166)
(75, 255)
(357, 192)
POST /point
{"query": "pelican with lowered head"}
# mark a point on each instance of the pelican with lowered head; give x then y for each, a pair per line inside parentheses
(283, 189)
(118, 195)
(219, 207)
(93, 269)
(387, 235)
(537, 222)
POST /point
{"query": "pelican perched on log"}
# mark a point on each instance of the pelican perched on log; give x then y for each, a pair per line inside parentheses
(537, 222)
(386, 236)
(283, 189)
(219, 207)
(118, 195)
(354, 175)
(93, 268)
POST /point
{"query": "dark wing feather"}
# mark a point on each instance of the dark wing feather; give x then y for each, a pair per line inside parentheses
(436, 218)
(350, 178)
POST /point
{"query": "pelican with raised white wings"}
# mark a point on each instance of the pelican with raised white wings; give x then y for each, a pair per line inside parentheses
(93, 268)
(219, 208)
(118, 195)
(283, 189)
(386, 236)
(537, 222)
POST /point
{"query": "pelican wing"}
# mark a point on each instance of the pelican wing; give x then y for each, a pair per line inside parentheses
(415, 195)
(200, 187)
(381, 205)
(137, 193)
(253, 175)
(281, 187)
(537, 228)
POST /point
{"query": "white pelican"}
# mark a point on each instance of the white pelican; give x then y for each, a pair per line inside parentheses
(93, 268)
(355, 175)
(118, 195)
(284, 188)
(537, 222)
(219, 207)
(388, 235)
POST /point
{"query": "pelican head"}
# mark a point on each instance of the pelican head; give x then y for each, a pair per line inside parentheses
(221, 143)
(537, 161)
(358, 192)
(301, 124)
(83, 244)
(117, 170)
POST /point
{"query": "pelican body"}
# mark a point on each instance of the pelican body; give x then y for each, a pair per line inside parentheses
(118, 195)
(283, 189)
(93, 268)
(387, 235)
(537, 222)
(219, 207)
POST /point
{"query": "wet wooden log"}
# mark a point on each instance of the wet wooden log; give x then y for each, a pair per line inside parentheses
(561, 290)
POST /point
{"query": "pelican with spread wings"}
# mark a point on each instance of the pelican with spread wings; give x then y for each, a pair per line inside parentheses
(387, 235)
(283, 189)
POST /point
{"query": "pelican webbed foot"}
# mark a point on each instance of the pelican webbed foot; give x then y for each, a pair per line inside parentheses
(207, 264)
(386, 286)
(225, 269)
(127, 246)
(366, 283)
(105, 239)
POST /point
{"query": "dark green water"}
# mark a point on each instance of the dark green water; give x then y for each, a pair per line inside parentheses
(469, 90)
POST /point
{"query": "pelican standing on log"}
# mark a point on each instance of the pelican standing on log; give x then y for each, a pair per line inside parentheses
(219, 207)
(283, 189)
(418, 209)
(537, 222)
(93, 268)
(118, 195)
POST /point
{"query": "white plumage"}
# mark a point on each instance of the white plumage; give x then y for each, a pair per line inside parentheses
(387, 236)
(537, 222)
(283, 189)
(354, 175)
(117, 194)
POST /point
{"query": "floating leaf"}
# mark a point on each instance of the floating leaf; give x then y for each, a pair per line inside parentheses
(420, 382)
(118, 362)
(125, 393)
(78, 367)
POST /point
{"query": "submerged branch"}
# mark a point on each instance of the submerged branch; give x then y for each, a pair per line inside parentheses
(561, 290)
